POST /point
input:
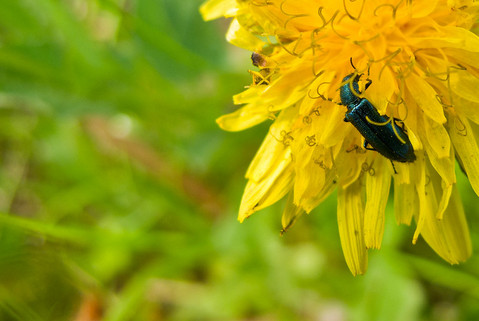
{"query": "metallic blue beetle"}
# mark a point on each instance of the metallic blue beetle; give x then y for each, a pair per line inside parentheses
(381, 132)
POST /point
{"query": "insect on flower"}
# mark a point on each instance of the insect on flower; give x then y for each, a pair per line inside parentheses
(423, 61)
(263, 76)
(381, 132)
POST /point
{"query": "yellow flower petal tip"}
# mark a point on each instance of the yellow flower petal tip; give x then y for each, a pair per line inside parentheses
(413, 67)
(214, 9)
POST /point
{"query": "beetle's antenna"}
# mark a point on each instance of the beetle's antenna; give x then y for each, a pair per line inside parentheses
(351, 61)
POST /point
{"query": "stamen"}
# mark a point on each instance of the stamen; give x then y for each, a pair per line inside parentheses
(259, 78)
(310, 140)
(401, 101)
(307, 120)
(393, 9)
(321, 16)
(360, 43)
(296, 44)
(282, 45)
(356, 148)
(314, 46)
(319, 94)
(292, 16)
(315, 73)
(320, 163)
(461, 131)
(365, 167)
(439, 99)
(388, 59)
(330, 21)
(350, 15)
(312, 97)
(286, 138)
(334, 30)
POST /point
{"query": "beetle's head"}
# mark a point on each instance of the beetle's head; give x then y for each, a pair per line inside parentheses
(349, 91)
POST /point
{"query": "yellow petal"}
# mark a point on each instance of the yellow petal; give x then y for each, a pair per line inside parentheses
(425, 204)
(446, 169)
(403, 175)
(334, 129)
(448, 237)
(466, 108)
(421, 9)
(310, 178)
(272, 188)
(412, 127)
(274, 149)
(313, 161)
(291, 213)
(351, 228)
(466, 147)
(377, 192)
(245, 117)
(214, 9)
(453, 37)
(425, 97)
(445, 198)
(280, 94)
(454, 230)
(406, 203)
(437, 138)
(329, 185)
(318, 86)
(382, 89)
(250, 95)
(240, 37)
(349, 161)
(437, 142)
(465, 85)
(271, 173)
(463, 57)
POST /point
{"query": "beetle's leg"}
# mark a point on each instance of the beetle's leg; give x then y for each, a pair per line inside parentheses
(402, 125)
(368, 83)
(401, 122)
(395, 172)
(365, 145)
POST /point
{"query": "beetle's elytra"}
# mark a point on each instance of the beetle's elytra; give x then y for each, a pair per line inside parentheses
(380, 132)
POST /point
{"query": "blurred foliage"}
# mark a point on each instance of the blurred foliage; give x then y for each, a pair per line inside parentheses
(118, 193)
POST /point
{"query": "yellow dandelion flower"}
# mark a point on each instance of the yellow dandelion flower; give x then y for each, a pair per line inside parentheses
(416, 63)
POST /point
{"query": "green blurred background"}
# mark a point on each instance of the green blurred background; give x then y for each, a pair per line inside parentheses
(119, 194)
